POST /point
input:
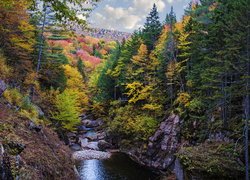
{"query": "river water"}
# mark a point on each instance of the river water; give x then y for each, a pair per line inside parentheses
(118, 167)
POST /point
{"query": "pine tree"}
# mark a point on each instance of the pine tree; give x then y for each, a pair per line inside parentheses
(152, 29)
(170, 17)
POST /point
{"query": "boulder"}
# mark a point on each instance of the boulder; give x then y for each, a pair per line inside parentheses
(75, 147)
(83, 142)
(82, 129)
(91, 137)
(72, 138)
(101, 135)
(92, 123)
(93, 146)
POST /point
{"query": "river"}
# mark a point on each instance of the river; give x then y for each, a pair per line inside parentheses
(118, 167)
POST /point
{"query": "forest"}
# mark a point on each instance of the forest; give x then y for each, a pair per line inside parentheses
(196, 69)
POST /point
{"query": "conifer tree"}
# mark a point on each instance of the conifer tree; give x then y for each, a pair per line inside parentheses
(152, 29)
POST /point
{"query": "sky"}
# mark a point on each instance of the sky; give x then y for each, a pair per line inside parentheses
(128, 15)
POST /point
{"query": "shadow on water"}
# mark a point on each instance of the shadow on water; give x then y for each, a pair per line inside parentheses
(118, 167)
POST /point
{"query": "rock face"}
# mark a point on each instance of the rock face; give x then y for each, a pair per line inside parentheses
(162, 146)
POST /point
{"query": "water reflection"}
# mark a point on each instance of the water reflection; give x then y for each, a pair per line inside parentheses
(118, 167)
(92, 170)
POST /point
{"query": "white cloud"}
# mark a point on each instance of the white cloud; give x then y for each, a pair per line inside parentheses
(111, 17)
(147, 5)
(128, 15)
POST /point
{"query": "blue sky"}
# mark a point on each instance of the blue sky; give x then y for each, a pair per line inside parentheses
(128, 15)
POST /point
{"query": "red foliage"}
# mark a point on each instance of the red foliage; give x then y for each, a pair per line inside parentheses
(62, 43)
(87, 48)
(85, 56)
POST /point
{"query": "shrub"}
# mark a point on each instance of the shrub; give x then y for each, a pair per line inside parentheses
(137, 125)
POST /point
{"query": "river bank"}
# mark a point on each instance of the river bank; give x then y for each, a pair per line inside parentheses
(164, 153)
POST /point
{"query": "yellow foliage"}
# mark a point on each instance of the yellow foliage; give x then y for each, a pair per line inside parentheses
(31, 80)
(76, 84)
(5, 71)
(184, 99)
(137, 92)
(141, 57)
(13, 96)
(152, 107)
(74, 78)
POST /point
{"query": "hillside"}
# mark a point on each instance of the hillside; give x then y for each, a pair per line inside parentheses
(106, 34)
(28, 152)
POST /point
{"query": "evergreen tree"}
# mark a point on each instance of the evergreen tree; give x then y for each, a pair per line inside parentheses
(170, 17)
(152, 29)
(106, 83)
(80, 67)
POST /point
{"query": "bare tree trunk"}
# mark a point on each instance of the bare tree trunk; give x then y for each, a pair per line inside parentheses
(41, 44)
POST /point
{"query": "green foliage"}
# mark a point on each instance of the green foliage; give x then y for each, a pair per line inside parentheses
(130, 124)
(29, 110)
(68, 109)
(80, 67)
(105, 83)
(66, 11)
(212, 160)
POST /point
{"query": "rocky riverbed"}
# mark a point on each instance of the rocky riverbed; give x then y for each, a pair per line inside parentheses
(89, 141)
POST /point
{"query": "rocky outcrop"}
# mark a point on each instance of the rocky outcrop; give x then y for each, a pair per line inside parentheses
(162, 146)
(164, 143)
